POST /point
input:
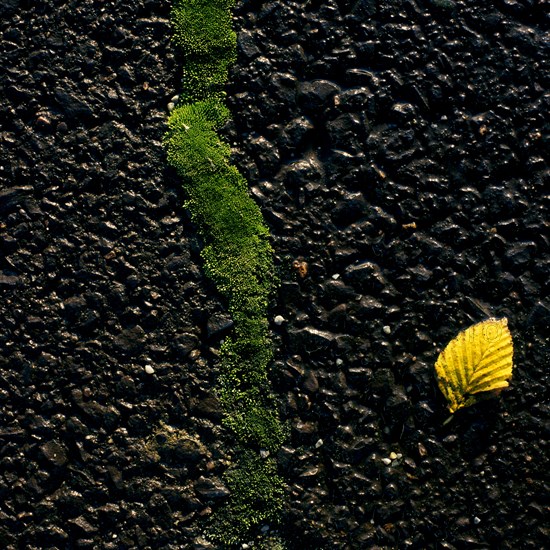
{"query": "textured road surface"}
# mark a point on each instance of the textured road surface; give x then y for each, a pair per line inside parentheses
(398, 152)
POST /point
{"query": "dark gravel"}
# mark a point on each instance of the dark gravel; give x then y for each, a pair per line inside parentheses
(399, 154)
(100, 277)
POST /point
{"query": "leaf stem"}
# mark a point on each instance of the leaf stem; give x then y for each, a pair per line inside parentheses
(448, 420)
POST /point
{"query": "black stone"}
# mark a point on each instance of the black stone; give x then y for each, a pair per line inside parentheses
(211, 488)
(55, 453)
(317, 94)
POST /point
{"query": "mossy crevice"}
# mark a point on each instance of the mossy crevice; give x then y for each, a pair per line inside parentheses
(237, 257)
(203, 32)
(257, 496)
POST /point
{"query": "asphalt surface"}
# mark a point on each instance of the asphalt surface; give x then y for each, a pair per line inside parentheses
(399, 155)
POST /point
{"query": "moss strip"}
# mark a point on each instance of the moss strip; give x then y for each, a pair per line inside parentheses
(238, 258)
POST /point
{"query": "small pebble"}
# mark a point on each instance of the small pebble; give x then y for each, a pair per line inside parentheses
(339, 362)
(477, 521)
(279, 320)
(336, 276)
(43, 121)
(264, 453)
(422, 451)
(319, 443)
(386, 329)
(149, 369)
(171, 107)
(393, 455)
(386, 461)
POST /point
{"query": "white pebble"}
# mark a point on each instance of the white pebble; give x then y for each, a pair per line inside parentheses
(339, 362)
(336, 276)
(149, 369)
(171, 107)
(264, 453)
(477, 521)
(319, 443)
(393, 455)
(279, 320)
(386, 461)
(386, 329)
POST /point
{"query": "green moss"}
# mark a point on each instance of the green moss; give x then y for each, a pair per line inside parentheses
(237, 257)
(256, 423)
(202, 79)
(192, 144)
(256, 497)
(202, 28)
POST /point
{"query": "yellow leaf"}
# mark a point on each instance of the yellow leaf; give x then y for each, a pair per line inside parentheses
(478, 360)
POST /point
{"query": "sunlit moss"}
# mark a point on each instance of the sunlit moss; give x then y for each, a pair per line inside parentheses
(192, 144)
(237, 257)
(206, 78)
(202, 28)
